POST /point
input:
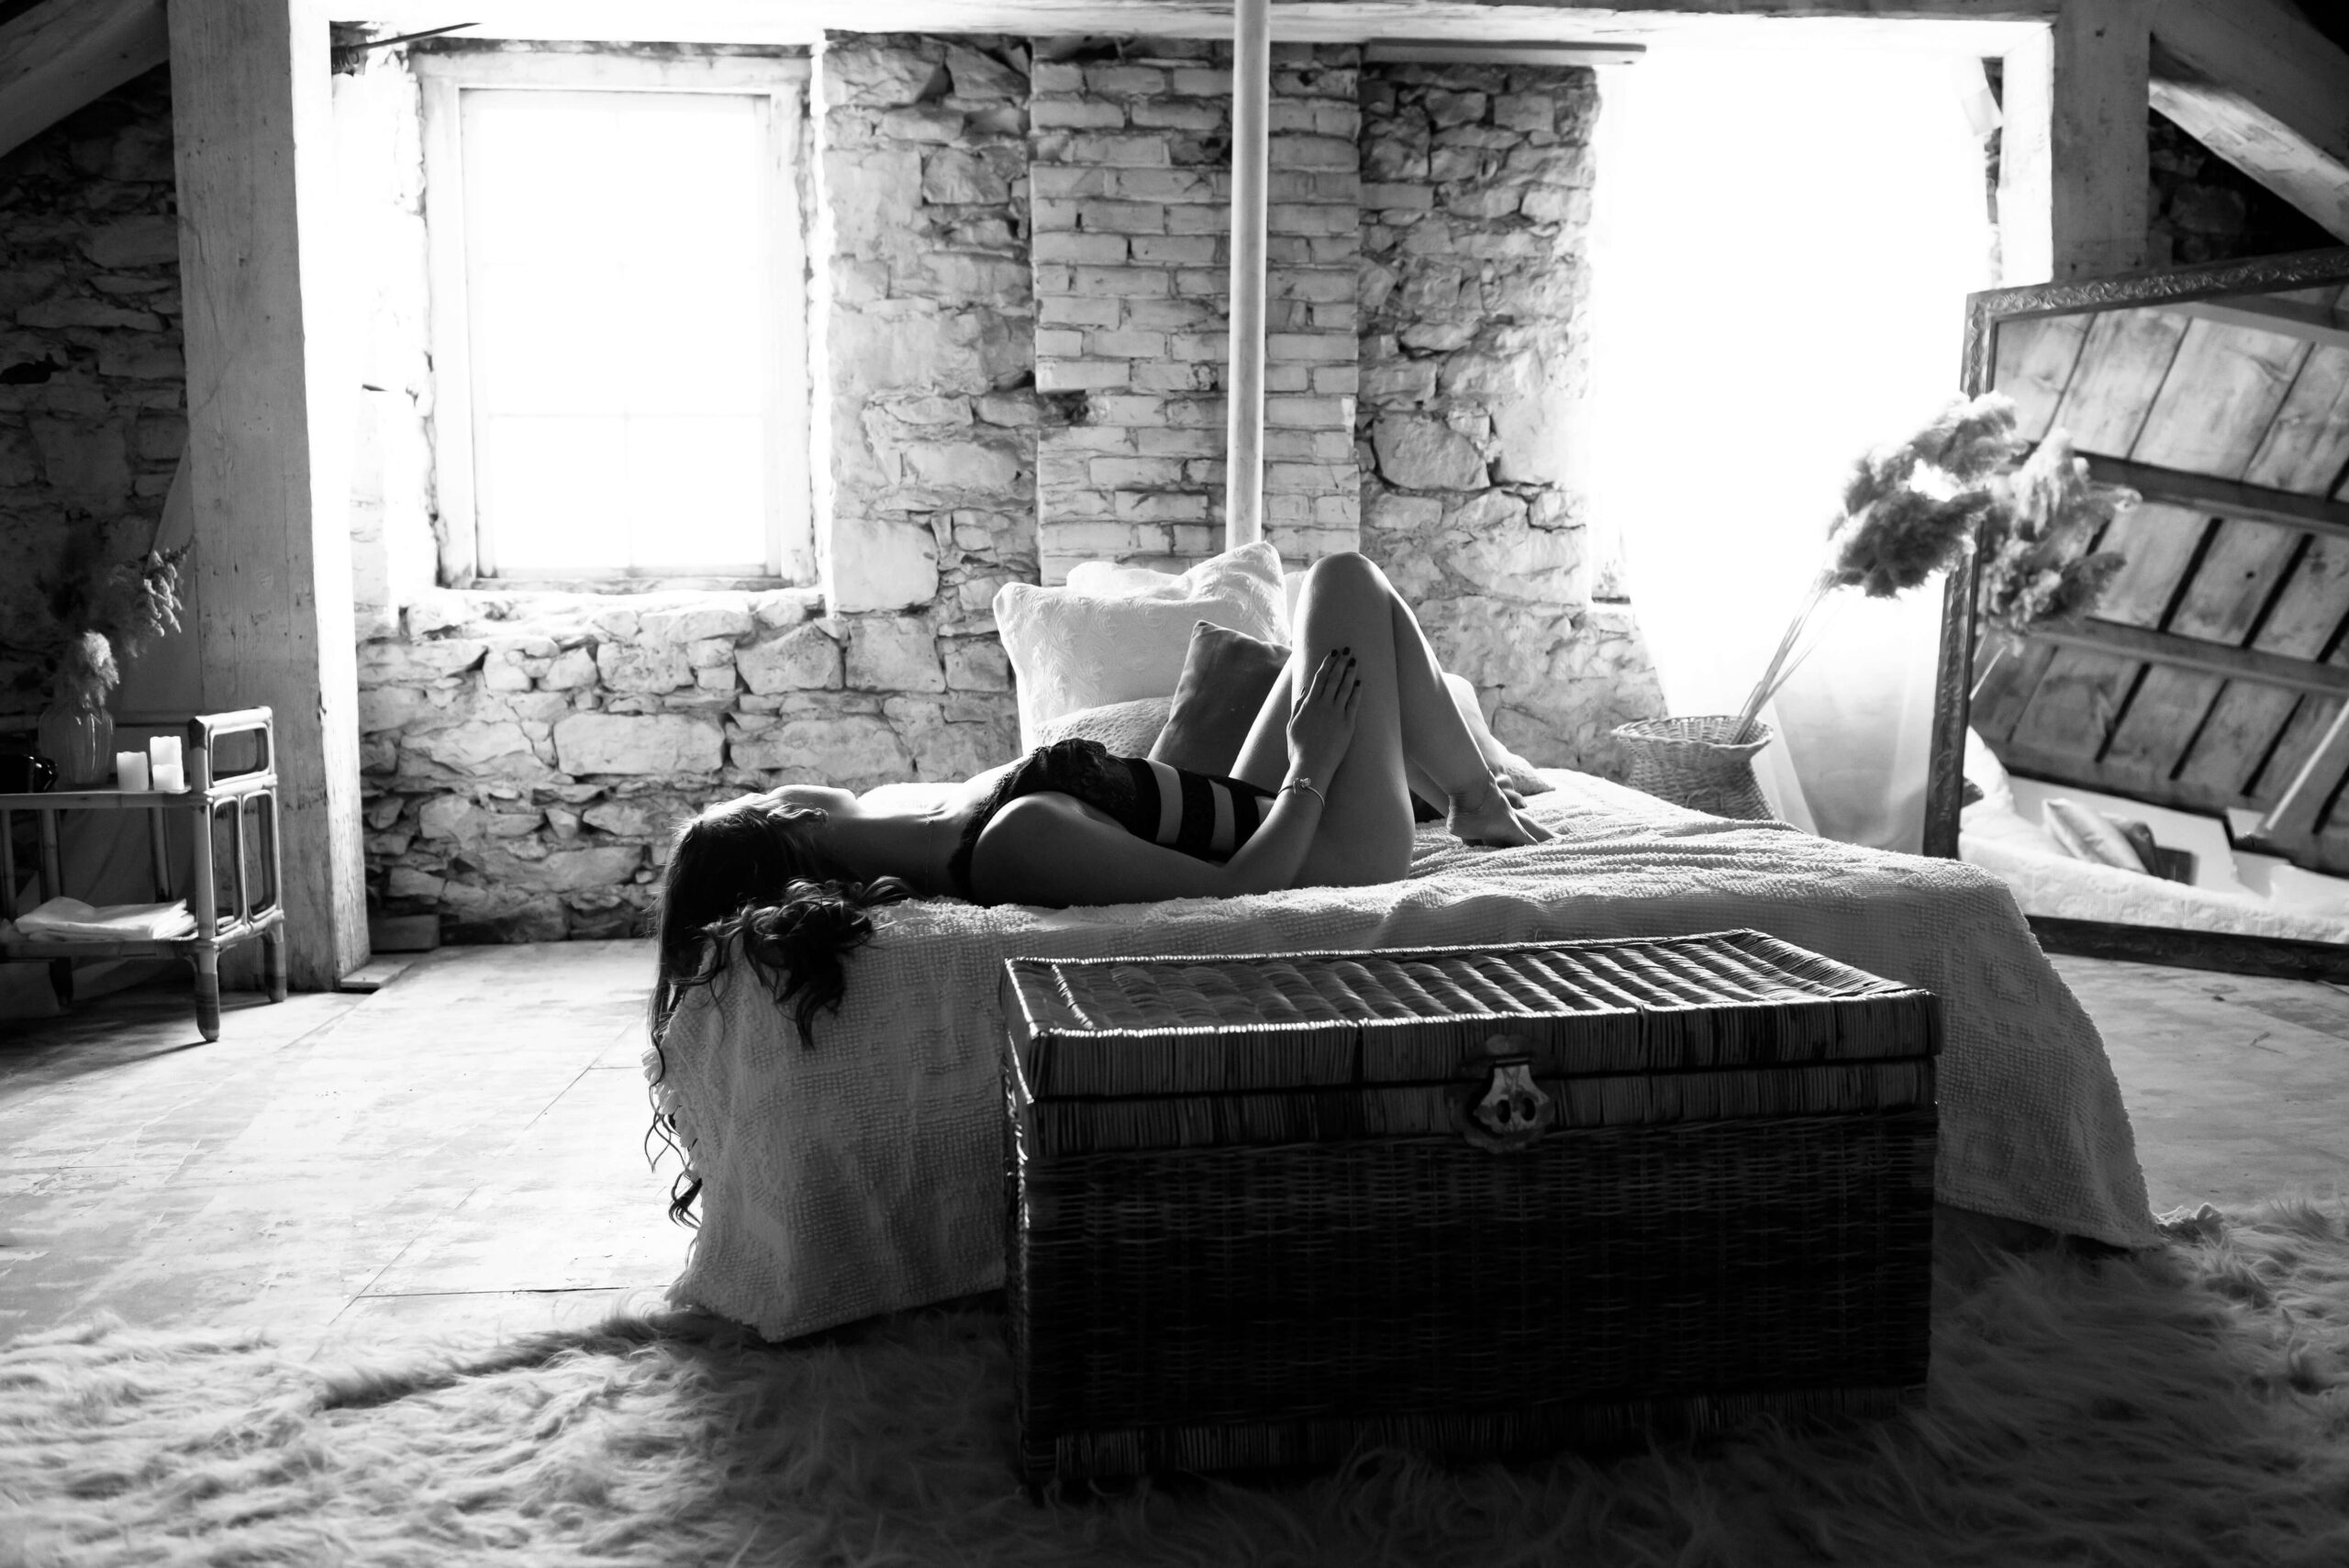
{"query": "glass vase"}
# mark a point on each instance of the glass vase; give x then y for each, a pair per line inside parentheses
(80, 740)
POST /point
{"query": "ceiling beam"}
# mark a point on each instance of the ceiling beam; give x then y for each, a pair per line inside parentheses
(2219, 658)
(2224, 497)
(2288, 317)
(57, 56)
(1439, 51)
(1985, 28)
(2256, 83)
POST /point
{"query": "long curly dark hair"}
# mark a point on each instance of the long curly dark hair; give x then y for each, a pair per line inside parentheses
(756, 877)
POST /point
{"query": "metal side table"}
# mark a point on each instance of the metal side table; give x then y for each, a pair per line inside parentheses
(229, 908)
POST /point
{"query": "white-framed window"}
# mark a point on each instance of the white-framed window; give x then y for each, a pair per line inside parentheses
(617, 275)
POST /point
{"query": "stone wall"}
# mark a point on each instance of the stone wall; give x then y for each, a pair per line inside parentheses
(92, 385)
(1130, 165)
(527, 755)
(1475, 373)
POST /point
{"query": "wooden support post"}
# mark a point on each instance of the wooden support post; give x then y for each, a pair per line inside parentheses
(2256, 83)
(2072, 158)
(268, 426)
(1251, 86)
(2294, 817)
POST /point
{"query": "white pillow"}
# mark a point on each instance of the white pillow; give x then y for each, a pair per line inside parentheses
(2088, 835)
(1123, 580)
(1124, 729)
(1071, 649)
(1989, 774)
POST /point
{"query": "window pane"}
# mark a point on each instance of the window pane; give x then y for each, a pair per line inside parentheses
(524, 361)
(553, 492)
(695, 491)
(617, 268)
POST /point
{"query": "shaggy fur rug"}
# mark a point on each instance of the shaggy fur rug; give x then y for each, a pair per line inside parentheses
(2187, 1405)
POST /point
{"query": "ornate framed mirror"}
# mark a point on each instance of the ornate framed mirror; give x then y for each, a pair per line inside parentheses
(2210, 681)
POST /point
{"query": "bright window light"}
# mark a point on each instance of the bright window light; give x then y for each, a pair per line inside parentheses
(1784, 247)
(616, 249)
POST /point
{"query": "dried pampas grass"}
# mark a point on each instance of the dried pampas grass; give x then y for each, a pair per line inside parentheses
(1912, 509)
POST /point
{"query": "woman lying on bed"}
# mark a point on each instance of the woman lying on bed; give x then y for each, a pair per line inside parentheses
(1319, 796)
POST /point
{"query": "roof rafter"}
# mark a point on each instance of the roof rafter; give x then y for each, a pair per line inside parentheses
(2256, 83)
(2290, 317)
(57, 56)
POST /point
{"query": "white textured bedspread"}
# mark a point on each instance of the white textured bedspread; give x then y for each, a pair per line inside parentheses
(865, 1174)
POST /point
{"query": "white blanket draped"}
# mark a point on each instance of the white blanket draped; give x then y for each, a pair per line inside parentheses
(866, 1174)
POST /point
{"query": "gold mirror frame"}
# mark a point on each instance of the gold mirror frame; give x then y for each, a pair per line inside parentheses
(1986, 311)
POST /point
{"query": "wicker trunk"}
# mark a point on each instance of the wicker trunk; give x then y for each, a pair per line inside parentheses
(1480, 1202)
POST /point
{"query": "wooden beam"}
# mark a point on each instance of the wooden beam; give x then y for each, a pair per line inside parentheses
(2256, 83)
(2287, 317)
(2193, 654)
(2225, 497)
(2229, 952)
(1978, 28)
(268, 430)
(2072, 158)
(1438, 51)
(57, 56)
(1251, 88)
(2293, 815)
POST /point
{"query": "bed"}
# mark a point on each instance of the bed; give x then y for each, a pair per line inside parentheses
(2233, 892)
(864, 1174)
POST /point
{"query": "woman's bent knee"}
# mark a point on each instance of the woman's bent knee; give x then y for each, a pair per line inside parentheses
(1347, 571)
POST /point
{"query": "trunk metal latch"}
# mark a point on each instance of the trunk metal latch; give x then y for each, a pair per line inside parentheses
(1514, 1110)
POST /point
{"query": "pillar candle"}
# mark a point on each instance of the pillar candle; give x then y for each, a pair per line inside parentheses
(130, 771)
(165, 765)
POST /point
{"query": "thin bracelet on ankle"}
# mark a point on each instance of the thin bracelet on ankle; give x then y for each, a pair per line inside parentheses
(1304, 782)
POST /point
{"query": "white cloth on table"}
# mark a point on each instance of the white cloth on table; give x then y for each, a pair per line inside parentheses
(71, 920)
(865, 1174)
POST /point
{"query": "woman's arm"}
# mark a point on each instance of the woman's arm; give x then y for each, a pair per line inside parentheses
(1047, 849)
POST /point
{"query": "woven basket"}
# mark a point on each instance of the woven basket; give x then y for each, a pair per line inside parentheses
(1248, 1225)
(1693, 762)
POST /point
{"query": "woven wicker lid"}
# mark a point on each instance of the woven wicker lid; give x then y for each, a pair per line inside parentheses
(1234, 1023)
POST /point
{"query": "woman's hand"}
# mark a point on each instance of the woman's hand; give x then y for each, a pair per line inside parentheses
(1322, 724)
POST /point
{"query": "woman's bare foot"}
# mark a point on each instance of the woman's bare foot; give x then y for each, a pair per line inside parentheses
(1487, 818)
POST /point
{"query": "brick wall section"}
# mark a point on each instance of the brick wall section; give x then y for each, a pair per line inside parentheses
(1130, 170)
(93, 384)
(527, 755)
(1474, 369)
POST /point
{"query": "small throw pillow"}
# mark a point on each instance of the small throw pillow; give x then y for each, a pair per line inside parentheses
(1072, 650)
(2088, 835)
(1123, 728)
(1227, 675)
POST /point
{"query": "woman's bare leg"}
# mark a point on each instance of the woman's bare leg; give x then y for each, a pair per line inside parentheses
(1405, 712)
(1365, 830)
